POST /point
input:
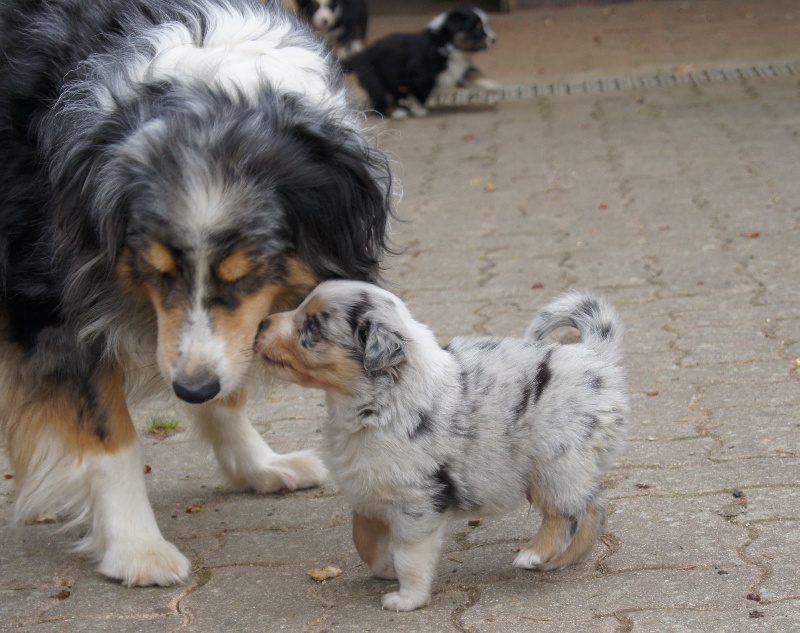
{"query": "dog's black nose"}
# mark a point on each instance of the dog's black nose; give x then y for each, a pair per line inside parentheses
(263, 325)
(196, 389)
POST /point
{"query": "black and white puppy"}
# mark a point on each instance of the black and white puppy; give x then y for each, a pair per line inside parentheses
(400, 71)
(420, 434)
(342, 23)
(171, 172)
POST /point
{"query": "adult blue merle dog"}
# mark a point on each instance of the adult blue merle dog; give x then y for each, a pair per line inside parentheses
(173, 171)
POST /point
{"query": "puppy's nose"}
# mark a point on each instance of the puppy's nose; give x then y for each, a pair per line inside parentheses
(197, 388)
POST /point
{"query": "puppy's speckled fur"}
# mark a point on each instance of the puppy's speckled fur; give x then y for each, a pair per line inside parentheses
(419, 433)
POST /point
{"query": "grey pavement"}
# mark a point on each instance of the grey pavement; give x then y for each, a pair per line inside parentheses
(682, 206)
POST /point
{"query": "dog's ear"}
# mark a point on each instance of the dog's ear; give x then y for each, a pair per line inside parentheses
(383, 348)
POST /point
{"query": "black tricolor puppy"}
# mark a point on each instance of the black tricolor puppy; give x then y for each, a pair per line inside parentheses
(400, 71)
(419, 435)
(341, 23)
(172, 171)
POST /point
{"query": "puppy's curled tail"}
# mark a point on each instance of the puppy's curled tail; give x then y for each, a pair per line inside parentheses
(595, 319)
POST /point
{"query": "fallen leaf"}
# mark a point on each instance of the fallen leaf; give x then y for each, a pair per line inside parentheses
(684, 68)
(324, 573)
(473, 523)
(147, 469)
(602, 206)
(489, 185)
(753, 234)
(652, 393)
(10, 476)
(795, 364)
(44, 518)
(537, 286)
(754, 596)
(196, 507)
(468, 137)
(63, 594)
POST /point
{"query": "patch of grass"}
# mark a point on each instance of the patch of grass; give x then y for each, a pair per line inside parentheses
(162, 426)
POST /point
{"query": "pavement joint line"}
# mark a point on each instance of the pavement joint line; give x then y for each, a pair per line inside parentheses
(615, 83)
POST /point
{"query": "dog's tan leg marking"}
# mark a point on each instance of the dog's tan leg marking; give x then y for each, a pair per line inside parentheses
(83, 459)
(371, 538)
(244, 456)
(583, 541)
(551, 539)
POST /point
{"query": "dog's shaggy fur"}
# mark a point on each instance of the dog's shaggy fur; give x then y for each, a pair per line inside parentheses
(400, 71)
(172, 172)
(419, 434)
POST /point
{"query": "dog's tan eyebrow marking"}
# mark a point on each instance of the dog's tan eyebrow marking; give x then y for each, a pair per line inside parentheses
(234, 266)
(159, 257)
(315, 306)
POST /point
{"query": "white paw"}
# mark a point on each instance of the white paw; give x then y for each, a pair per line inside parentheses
(156, 562)
(398, 601)
(527, 559)
(291, 471)
(399, 113)
(487, 84)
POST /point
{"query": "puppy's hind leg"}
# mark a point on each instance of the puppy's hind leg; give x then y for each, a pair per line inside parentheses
(550, 541)
(585, 537)
(371, 538)
(245, 458)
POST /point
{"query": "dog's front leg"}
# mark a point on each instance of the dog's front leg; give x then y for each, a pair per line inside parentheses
(75, 452)
(415, 564)
(245, 458)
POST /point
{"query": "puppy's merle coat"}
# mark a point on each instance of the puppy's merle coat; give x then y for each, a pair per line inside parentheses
(419, 434)
(400, 71)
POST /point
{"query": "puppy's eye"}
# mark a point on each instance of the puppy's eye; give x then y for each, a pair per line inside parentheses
(310, 332)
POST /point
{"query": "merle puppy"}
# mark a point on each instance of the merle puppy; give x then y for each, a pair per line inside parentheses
(400, 71)
(419, 434)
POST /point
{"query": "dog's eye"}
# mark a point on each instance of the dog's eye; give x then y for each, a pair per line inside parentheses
(310, 332)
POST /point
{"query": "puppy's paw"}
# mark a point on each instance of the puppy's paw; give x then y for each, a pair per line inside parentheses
(400, 113)
(153, 562)
(400, 601)
(528, 559)
(292, 471)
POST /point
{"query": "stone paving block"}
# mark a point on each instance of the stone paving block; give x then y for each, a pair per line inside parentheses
(777, 548)
(773, 503)
(663, 533)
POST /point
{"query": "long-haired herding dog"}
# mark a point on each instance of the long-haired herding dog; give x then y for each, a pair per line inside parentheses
(172, 172)
(420, 434)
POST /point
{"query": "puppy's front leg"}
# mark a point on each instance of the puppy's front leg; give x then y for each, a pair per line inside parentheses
(244, 456)
(415, 564)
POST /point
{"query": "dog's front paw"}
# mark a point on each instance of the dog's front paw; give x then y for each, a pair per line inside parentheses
(292, 471)
(155, 562)
(400, 601)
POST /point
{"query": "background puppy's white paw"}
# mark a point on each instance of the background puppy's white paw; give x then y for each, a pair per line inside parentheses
(155, 562)
(398, 601)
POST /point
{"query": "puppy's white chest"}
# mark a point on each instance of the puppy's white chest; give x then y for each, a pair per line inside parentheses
(458, 64)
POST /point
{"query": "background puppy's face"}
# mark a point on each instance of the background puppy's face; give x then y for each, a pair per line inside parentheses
(322, 14)
(468, 29)
(335, 339)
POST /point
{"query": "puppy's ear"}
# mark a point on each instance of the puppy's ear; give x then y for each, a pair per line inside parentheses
(383, 349)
